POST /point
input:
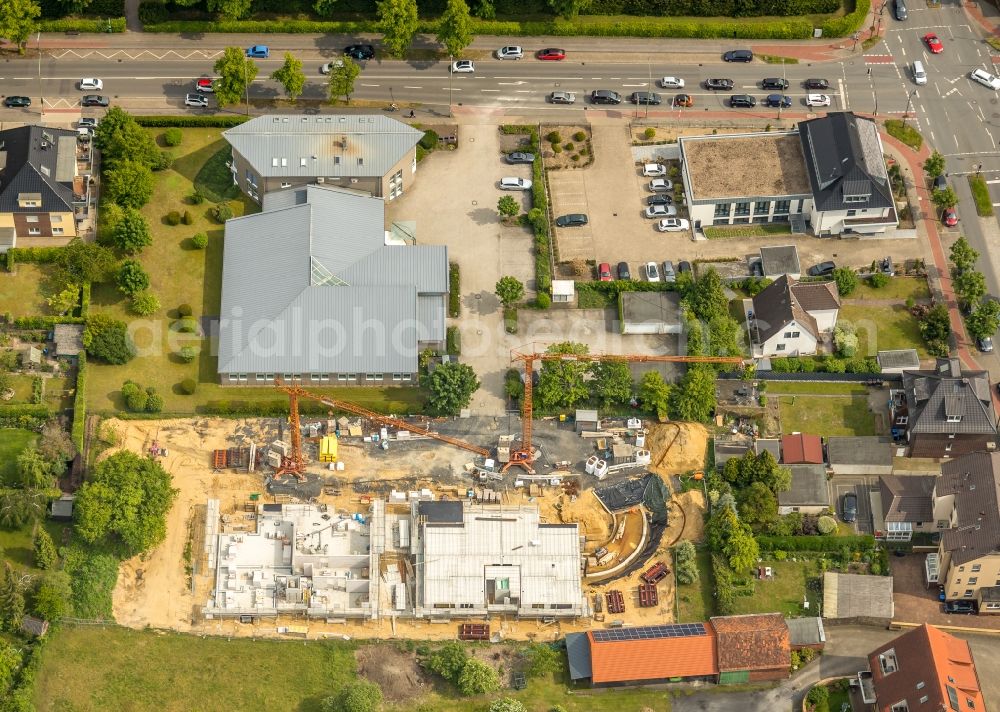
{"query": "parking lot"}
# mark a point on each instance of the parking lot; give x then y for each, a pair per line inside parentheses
(861, 486)
(917, 603)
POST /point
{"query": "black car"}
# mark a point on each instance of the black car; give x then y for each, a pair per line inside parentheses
(778, 100)
(649, 98)
(95, 100)
(359, 51)
(774, 83)
(899, 10)
(850, 507)
(571, 220)
(623, 272)
(605, 96)
(14, 101)
(823, 269)
(742, 101)
(520, 157)
(940, 182)
(738, 55)
(683, 266)
(817, 84)
(720, 84)
(660, 199)
(964, 607)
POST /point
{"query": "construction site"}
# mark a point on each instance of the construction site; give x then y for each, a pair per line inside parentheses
(367, 526)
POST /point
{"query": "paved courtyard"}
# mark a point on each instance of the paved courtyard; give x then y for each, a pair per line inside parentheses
(916, 603)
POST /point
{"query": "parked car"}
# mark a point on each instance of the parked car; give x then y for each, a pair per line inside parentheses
(849, 508)
(359, 51)
(660, 199)
(562, 97)
(940, 182)
(950, 217)
(960, 607)
(623, 271)
(720, 84)
(671, 83)
(683, 100)
(605, 96)
(673, 225)
(884, 266)
(84, 133)
(738, 55)
(645, 98)
(661, 185)
(782, 101)
(985, 344)
(551, 54)
(823, 269)
(463, 66)
(933, 43)
(774, 83)
(654, 170)
(16, 101)
(651, 272)
(95, 100)
(520, 157)
(985, 78)
(742, 101)
(899, 10)
(604, 272)
(91, 84)
(683, 266)
(668, 271)
(661, 211)
(511, 183)
(258, 52)
(817, 84)
(87, 122)
(204, 85)
(572, 220)
(196, 100)
(817, 100)
(330, 66)
(510, 52)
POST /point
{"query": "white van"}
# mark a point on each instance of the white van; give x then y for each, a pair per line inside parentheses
(919, 74)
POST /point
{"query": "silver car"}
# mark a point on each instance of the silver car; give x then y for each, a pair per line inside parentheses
(510, 52)
(198, 100)
(562, 97)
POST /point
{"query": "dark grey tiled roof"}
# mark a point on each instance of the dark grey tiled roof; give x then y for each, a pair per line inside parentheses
(816, 296)
(867, 450)
(907, 499)
(776, 306)
(779, 260)
(934, 395)
(27, 167)
(808, 487)
(972, 479)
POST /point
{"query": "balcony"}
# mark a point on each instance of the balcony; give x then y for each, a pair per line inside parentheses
(867, 686)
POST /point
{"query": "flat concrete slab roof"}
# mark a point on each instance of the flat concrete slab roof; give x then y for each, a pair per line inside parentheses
(745, 165)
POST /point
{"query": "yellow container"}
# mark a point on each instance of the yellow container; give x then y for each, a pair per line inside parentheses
(328, 449)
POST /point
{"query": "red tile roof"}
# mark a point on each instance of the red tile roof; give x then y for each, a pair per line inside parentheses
(942, 662)
(653, 659)
(752, 642)
(801, 449)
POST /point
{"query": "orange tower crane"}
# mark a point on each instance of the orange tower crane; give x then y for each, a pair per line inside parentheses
(523, 454)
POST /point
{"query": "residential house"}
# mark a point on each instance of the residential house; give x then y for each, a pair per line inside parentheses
(752, 648)
(650, 312)
(790, 318)
(944, 411)
(923, 669)
(41, 191)
(367, 152)
(808, 493)
(327, 298)
(904, 505)
(864, 455)
(801, 449)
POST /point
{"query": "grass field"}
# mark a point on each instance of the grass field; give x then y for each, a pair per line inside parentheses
(18, 549)
(12, 442)
(883, 329)
(815, 387)
(694, 601)
(23, 292)
(898, 288)
(783, 593)
(828, 415)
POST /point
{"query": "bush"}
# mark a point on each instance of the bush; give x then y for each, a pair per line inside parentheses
(878, 280)
(429, 140)
(173, 136)
(184, 310)
(556, 148)
(553, 137)
(200, 241)
(188, 354)
(107, 339)
(478, 678)
(454, 290)
(580, 136)
(173, 218)
(144, 304)
(851, 22)
(187, 325)
(222, 122)
(188, 386)
(196, 198)
(447, 661)
(187, 218)
(846, 279)
(649, 133)
(453, 341)
(826, 525)
(543, 300)
(135, 397)
(981, 196)
(222, 212)
(568, 146)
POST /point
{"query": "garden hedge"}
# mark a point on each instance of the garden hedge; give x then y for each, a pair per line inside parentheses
(80, 403)
(32, 255)
(223, 122)
(454, 290)
(849, 23)
(45, 322)
(16, 410)
(816, 543)
(78, 24)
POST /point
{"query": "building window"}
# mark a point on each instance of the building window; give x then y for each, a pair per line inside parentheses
(269, 377)
(341, 377)
(286, 185)
(296, 376)
(920, 685)
(379, 376)
(742, 208)
(34, 231)
(761, 207)
(923, 698)
(968, 593)
(397, 376)
(973, 580)
(57, 231)
(899, 707)
(976, 568)
(361, 161)
(857, 198)
(958, 582)
(55, 218)
(407, 376)
(720, 221)
(324, 377)
(722, 210)
(851, 213)
(954, 419)
(788, 334)
(781, 206)
(232, 378)
(961, 568)
(31, 218)
(259, 378)
(369, 376)
(779, 347)
(314, 377)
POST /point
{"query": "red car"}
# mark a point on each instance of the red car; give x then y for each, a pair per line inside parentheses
(933, 43)
(204, 85)
(950, 217)
(552, 54)
(604, 272)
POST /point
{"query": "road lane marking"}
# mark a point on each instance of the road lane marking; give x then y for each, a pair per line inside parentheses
(493, 90)
(633, 85)
(374, 85)
(413, 87)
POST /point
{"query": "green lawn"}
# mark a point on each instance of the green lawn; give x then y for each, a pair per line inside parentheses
(12, 442)
(815, 387)
(23, 292)
(833, 415)
(721, 233)
(694, 601)
(783, 593)
(883, 329)
(18, 549)
(156, 670)
(899, 288)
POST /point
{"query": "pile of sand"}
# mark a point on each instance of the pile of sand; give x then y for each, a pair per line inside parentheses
(676, 448)
(595, 522)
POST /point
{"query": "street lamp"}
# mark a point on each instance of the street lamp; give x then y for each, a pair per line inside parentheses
(41, 99)
(451, 66)
(246, 85)
(909, 103)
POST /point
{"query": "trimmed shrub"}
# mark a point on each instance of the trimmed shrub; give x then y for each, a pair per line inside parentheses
(188, 386)
(173, 218)
(187, 325)
(222, 212)
(815, 543)
(580, 136)
(878, 280)
(453, 342)
(188, 354)
(75, 24)
(649, 133)
(80, 403)
(222, 122)
(196, 198)
(200, 241)
(557, 148)
(429, 140)
(826, 525)
(185, 310)
(173, 136)
(543, 300)
(568, 146)
(454, 290)
(187, 218)
(553, 137)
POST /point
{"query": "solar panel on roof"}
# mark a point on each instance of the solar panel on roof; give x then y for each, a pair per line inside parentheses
(678, 630)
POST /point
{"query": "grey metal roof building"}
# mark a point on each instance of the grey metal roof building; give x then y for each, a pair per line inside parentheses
(780, 260)
(852, 455)
(309, 286)
(898, 360)
(808, 490)
(857, 596)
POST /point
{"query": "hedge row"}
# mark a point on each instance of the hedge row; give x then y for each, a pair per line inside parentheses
(809, 364)
(80, 404)
(454, 290)
(76, 24)
(16, 410)
(712, 8)
(540, 202)
(225, 121)
(32, 255)
(453, 341)
(85, 300)
(849, 23)
(816, 543)
(45, 322)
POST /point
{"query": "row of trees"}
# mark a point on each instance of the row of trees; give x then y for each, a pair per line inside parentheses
(982, 316)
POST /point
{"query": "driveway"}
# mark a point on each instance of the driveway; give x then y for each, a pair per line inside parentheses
(862, 487)
(916, 603)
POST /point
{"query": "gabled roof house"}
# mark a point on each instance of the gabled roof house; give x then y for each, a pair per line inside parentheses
(789, 318)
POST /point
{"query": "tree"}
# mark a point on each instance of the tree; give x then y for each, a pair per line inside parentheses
(10, 661)
(397, 21)
(944, 199)
(455, 27)
(34, 472)
(356, 696)
(65, 300)
(758, 506)
(693, 399)
(654, 393)
(107, 339)
(936, 324)
(984, 320)
(55, 444)
(6, 382)
(135, 397)
(323, 8)
(236, 71)
(121, 138)
(132, 233)
(451, 386)
(129, 183)
(51, 598)
(291, 76)
(567, 9)
(187, 354)
(543, 660)
(125, 502)
(934, 165)
(18, 21)
(970, 286)
(144, 304)
(230, 9)
(508, 207)
(612, 382)
(12, 599)
(846, 280)
(962, 255)
(448, 660)
(485, 10)
(686, 557)
(845, 339)
(507, 704)
(706, 298)
(741, 472)
(509, 290)
(478, 678)
(723, 332)
(44, 549)
(342, 79)
(132, 278)
(81, 262)
(740, 548)
(19, 507)
(563, 383)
